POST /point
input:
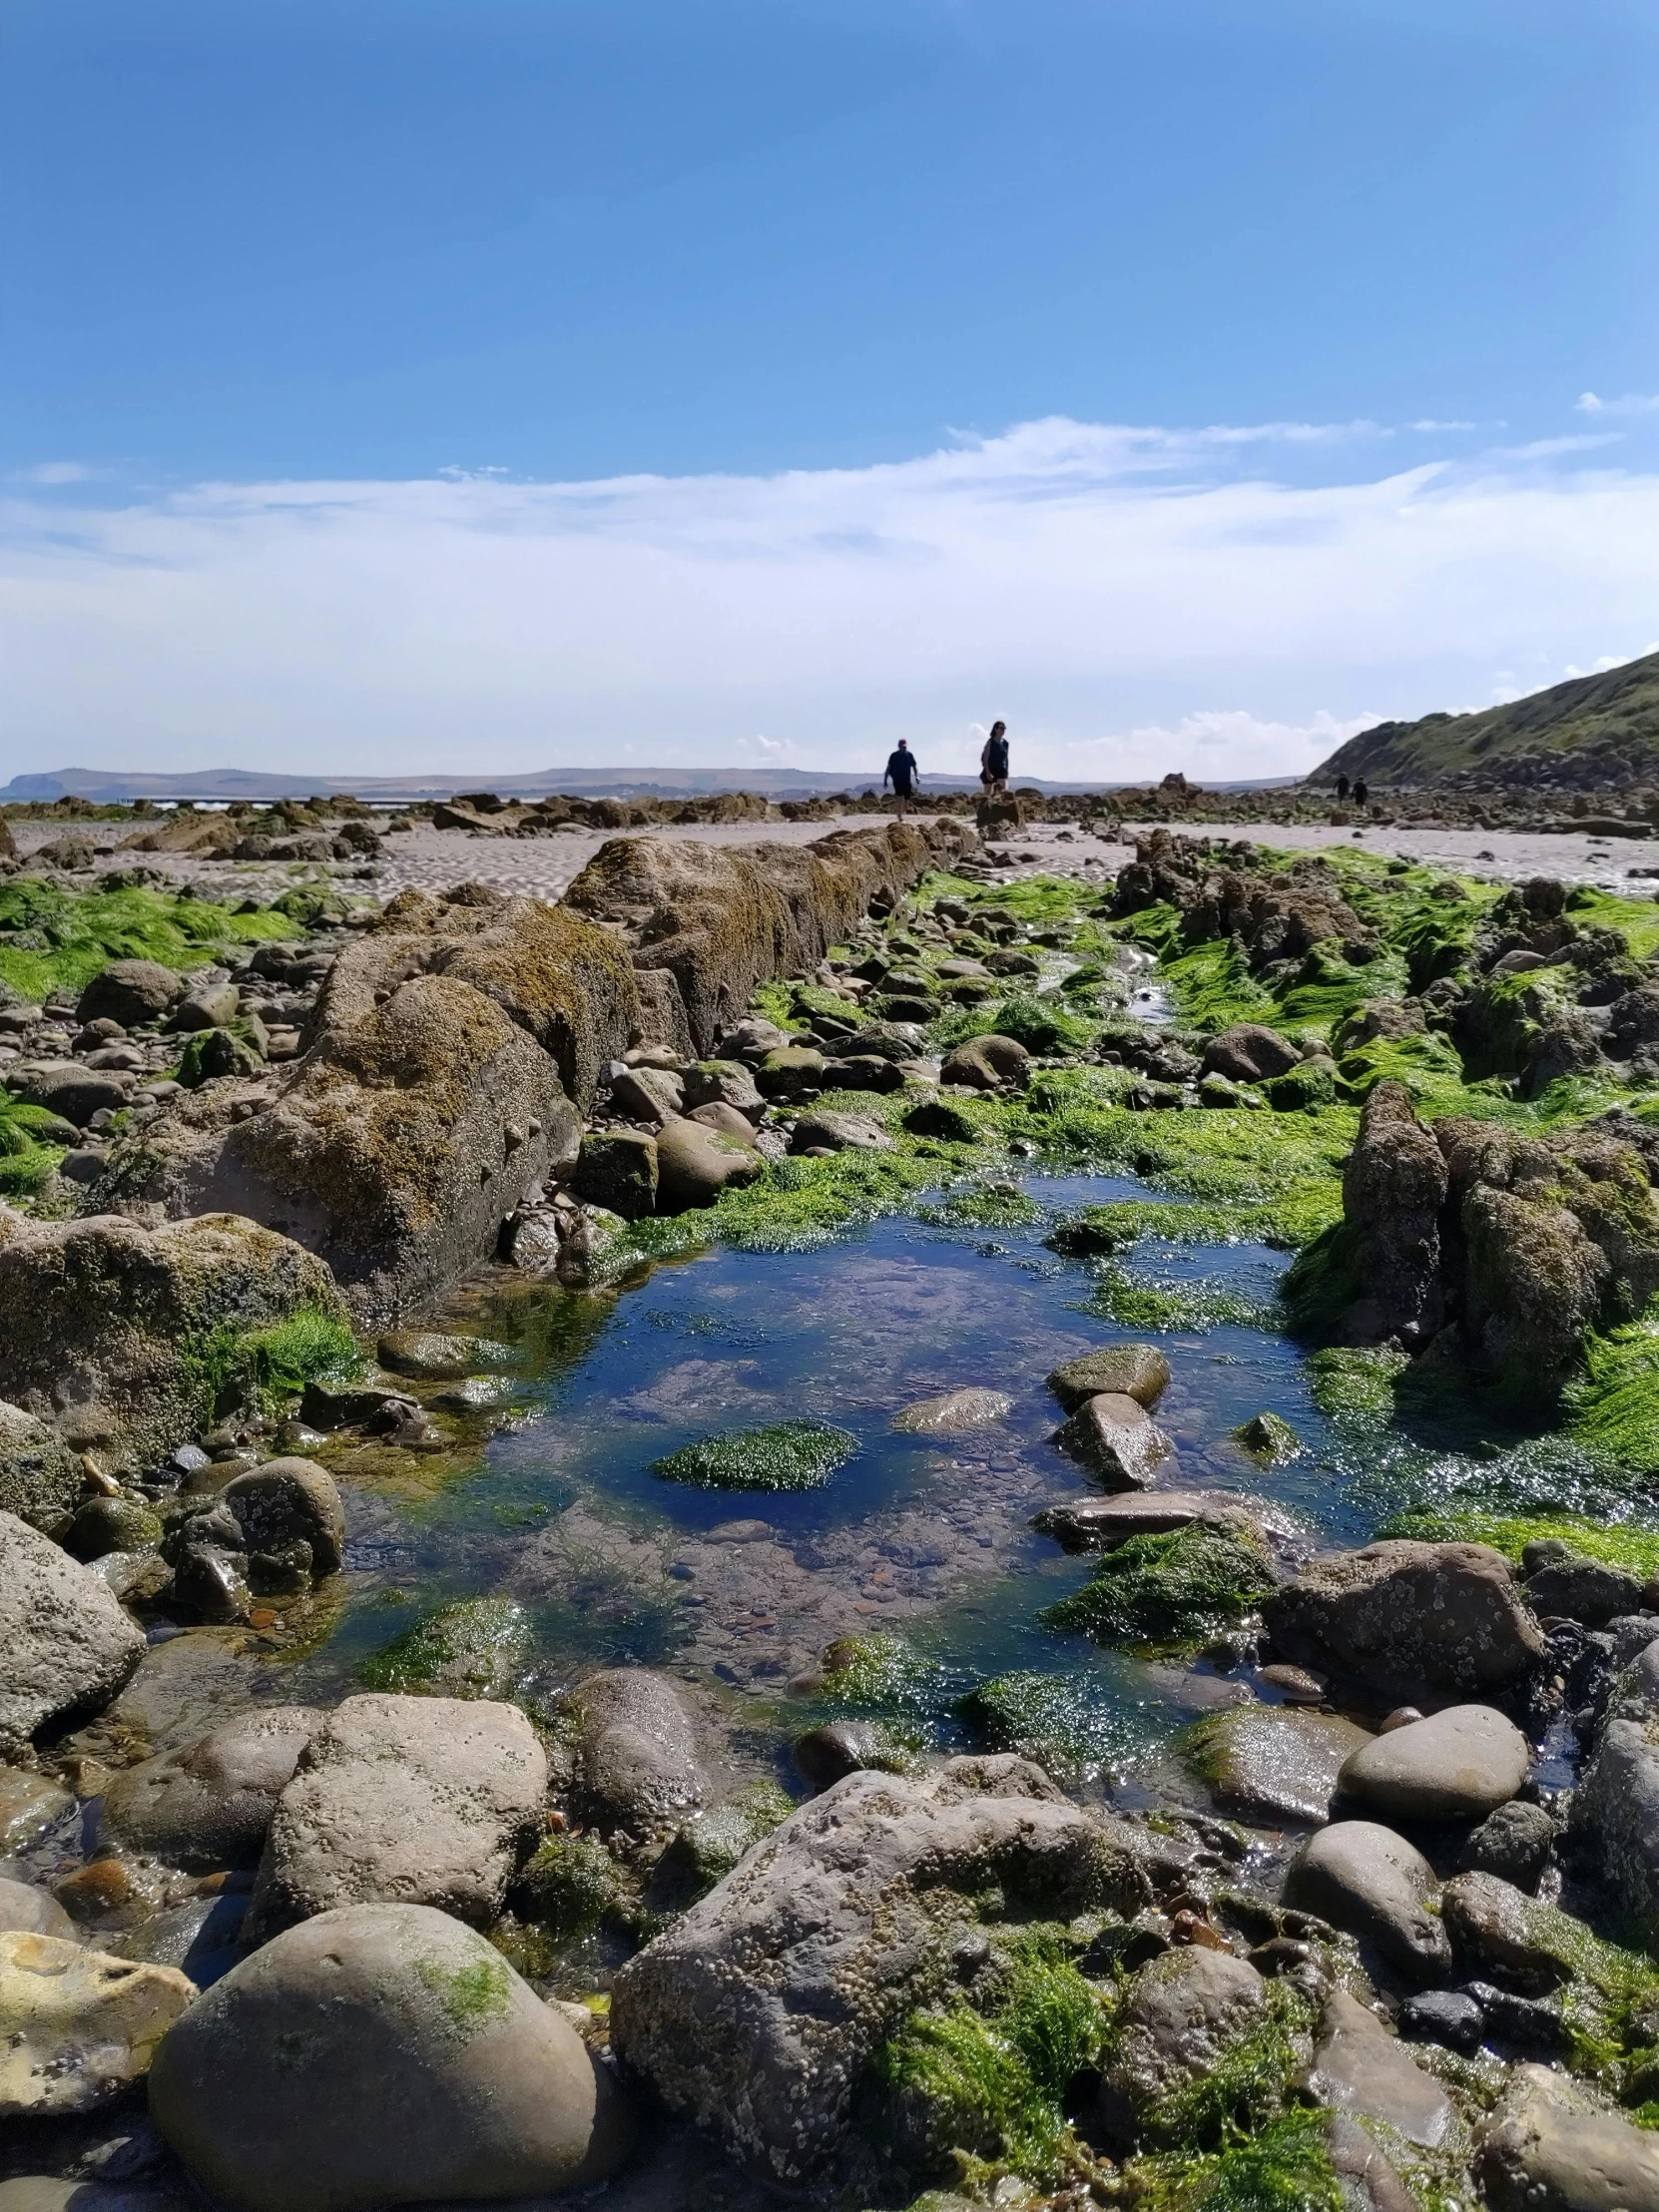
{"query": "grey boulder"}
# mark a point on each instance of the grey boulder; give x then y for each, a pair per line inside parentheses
(695, 1164)
(69, 1646)
(754, 2014)
(953, 1414)
(290, 1502)
(1113, 1438)
(381, 2055)
(636, 1764)
(1373, 1885)
(40, 1477)
(211, 1804)
(407, 1800)
(1550, 2147)
(1178, 2019)
(1458, 1765)
(28, 1910)
(1139, 1371)
(1360, 2068)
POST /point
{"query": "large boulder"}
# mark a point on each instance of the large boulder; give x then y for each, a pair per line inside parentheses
(1550, 2146)
(1411, 1623)
(40, 1477)
(450, 1051)
(1250, 1052)
(286, 1502)
(381, 2055)
(102, 1311)
(131, 993)
(1458, 1765)
(1373, 1884)
(1615, 1808)
(77, 2028)
(755, 2014)
(407, 1800)
(1360, 2068)
(988, 1063)
(211, 1804)
(68, 1645)
(719, 919)
(1180, 2018)
(695, 1163)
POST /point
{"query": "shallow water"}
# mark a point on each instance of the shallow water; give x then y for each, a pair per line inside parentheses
(924, 1539)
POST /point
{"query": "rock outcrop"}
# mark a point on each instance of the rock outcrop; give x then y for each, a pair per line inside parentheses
(449, 1054)
(755, 2014)
(717, 920)
(105, 1312)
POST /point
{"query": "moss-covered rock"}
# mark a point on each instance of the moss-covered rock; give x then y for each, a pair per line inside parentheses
(474, 1648)
(40, 1477)
(783, 1455)
(1174, 1589)
(567, 1887)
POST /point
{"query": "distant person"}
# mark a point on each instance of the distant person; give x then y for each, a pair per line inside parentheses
(994, 760)
(901, 775)
(1341, 786)
(1361, 795)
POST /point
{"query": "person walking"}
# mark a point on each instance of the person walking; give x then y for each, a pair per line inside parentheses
(993, 761)
(1341, 786)
(901, 775)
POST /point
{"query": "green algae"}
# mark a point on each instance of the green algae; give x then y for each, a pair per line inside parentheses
(1356, 1385)
(782, 1455)
(1269, 1438)
(1248, 2085)
(71, 936)
(1058, 1720)
(1619, 1546)
(1613, 1406)
(265, 1369)
(567, 1887)
(1169, 1592)
(707, 1848)
(984, 1206)
(472, 1998)
(1135, 1298)
(1285, 2168)
(982, 2085)
(880, 1673)
(463, 1650)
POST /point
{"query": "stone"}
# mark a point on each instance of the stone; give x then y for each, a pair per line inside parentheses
(1294, 1684)
(211, 1804)
(417, 1799)
(1139, 1371)
(647, 1094)
(131, 993)
(103, 1309)
(40, 1476)
(1615, 1809)
(939, 1119)
(828, 1754)
(1458, 1765)
(288, 1501)
(617, 1169)
(1179, 2017)
(1360, 2068)
(636, 1760)
(30, 1804)
(381, 2055)
(1495, 1926)
(793, 1071)
(76, 1092)
(1516, 1843)
(1551, 2147)
(1448, 2016)
(1269, 1438)
(755, 2014)
(1111, 1436)
(77, 2026)
(205, 1006)
(452, 1050)
(69, 1646)
(1272, 1763)
(1582, 1589)
(1373, 1885)
(1250, 1052)
(105, 1524)
(1102, 1524)
(428, 1356)
(726, 1119)
(990, 1063)
(1409, 1621)
(835, 1132)
(200, 1935)
(27, 1911)
(1367, 2180)
(695, 1164)
(721, 1083)
(953, 1414)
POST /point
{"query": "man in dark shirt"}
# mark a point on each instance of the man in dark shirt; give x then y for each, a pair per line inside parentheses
(901, 774)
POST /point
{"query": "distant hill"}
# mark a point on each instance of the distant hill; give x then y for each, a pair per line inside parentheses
(1594, 733)
(109, 787)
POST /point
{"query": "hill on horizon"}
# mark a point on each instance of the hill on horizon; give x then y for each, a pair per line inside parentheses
(1592, 733)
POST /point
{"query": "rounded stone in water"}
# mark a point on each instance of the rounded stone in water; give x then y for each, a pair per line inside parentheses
(783, 1455)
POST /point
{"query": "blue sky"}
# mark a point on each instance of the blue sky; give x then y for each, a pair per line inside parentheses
(772, 258)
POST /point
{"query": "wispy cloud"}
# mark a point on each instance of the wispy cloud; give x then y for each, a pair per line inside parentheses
(51, 473)
(1633, 404)
(1129, 599)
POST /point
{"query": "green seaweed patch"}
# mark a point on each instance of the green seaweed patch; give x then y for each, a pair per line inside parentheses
(1356, 1385)
(1171, 1591)
(1059, 1720)
(1249, 2084)
(470, 1999)
(1613, 1406)
(267, 1368)
(981, 2088)
(465, 1650)
(69, 936)
(782, 1455)
(1269, 1438)
(1286, 2167)
(1617, 1544)
(984, 1206)
(1137, 1300)
(567, 1887)
(881, 1673)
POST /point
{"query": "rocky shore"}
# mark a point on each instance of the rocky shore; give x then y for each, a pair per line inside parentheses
(1377, 1928)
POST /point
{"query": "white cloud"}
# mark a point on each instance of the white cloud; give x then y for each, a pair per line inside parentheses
(1633, 404)
(51, 473)
(1129, 599)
